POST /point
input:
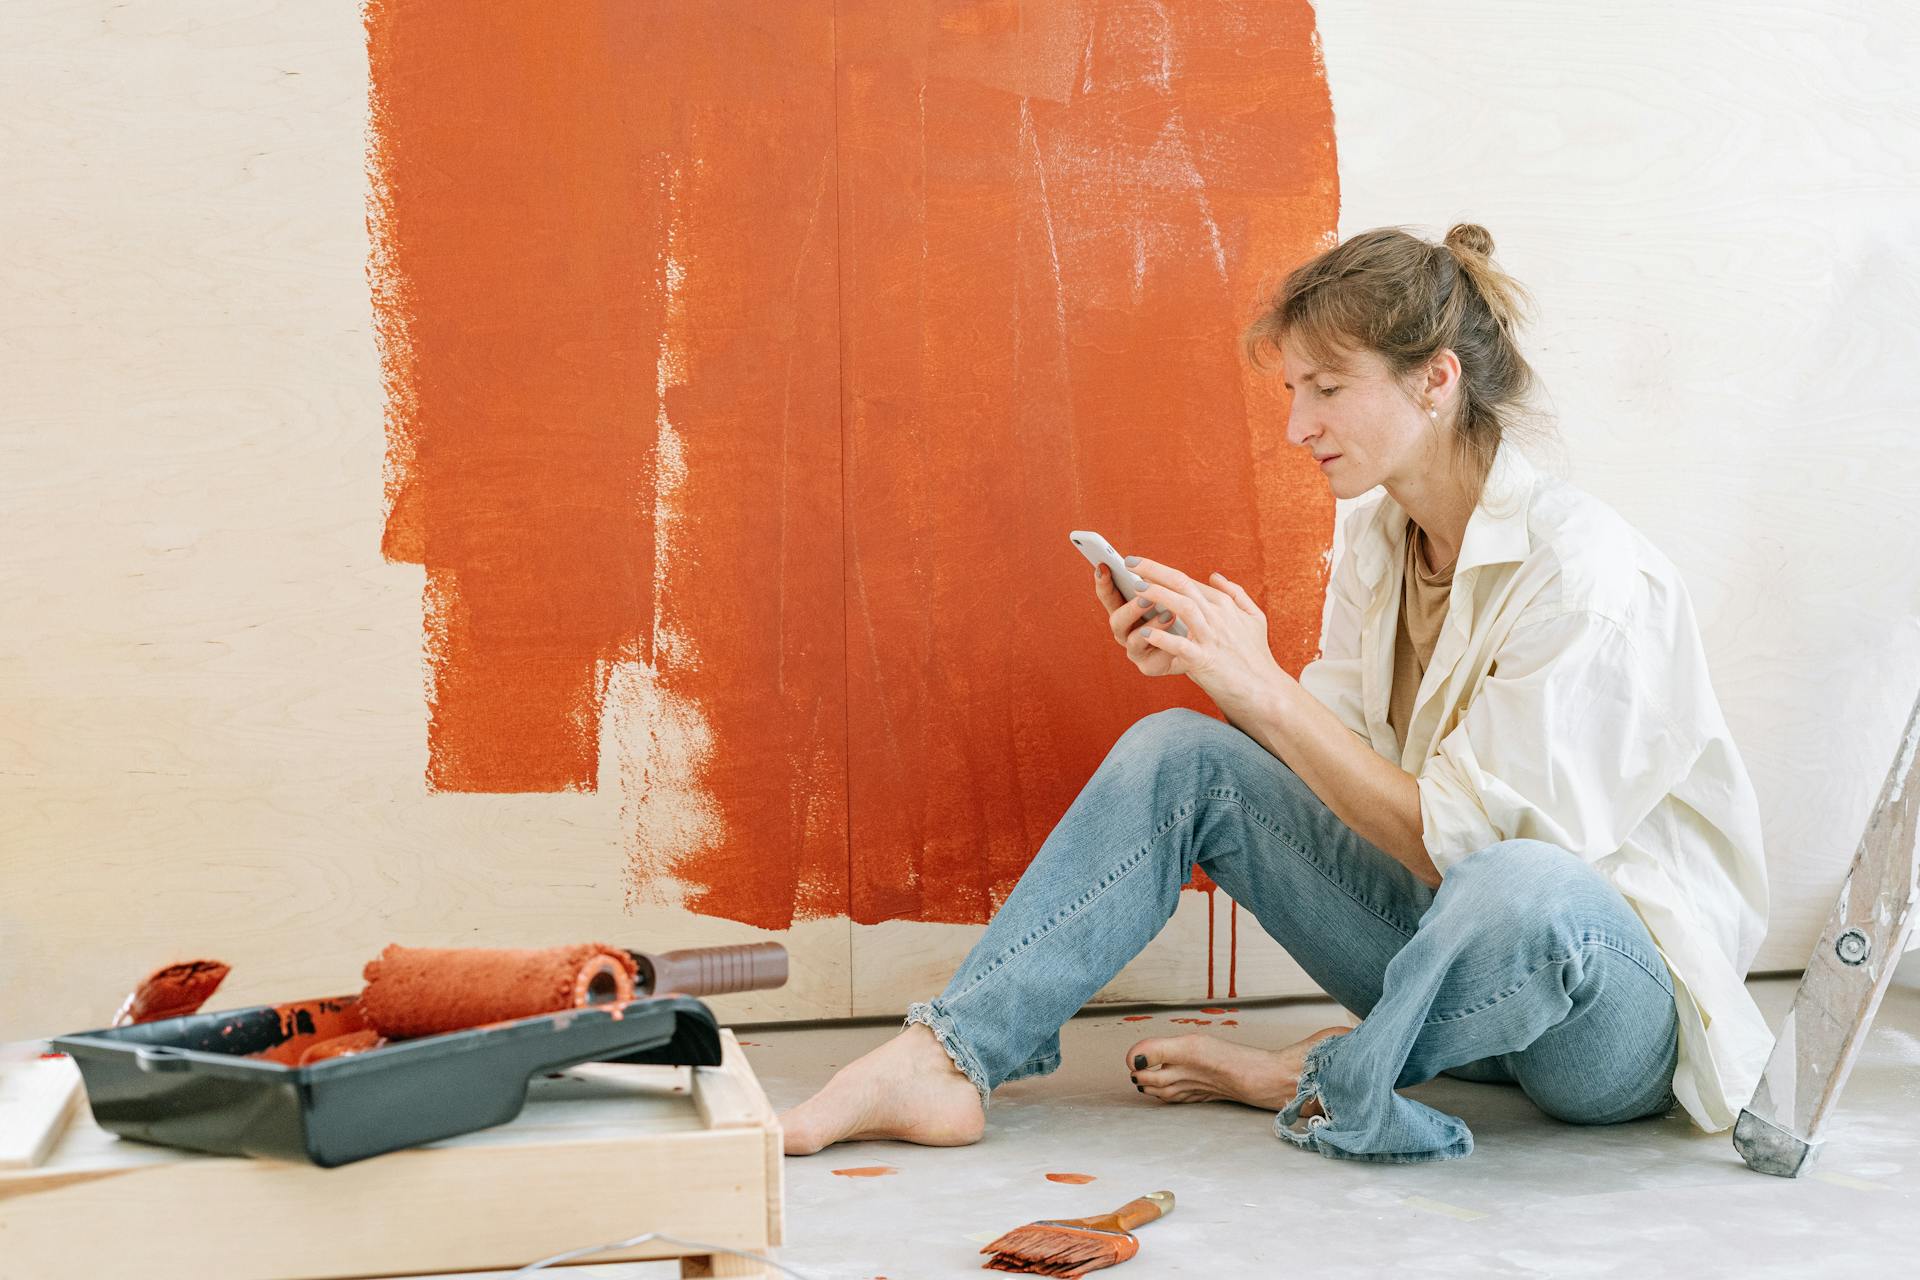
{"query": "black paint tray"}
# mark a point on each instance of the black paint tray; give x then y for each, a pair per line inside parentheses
(187, 1082)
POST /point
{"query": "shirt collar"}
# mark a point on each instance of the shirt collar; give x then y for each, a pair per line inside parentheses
(1496, 531)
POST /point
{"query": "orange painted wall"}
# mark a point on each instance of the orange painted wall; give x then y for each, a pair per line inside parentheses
(778, 347)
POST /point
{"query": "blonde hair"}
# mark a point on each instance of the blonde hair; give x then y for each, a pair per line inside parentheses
(1406, 299)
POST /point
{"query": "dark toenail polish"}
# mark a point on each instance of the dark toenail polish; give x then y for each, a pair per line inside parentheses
(1139, 1062)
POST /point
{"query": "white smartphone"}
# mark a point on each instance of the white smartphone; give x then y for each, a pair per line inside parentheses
(1099, 551)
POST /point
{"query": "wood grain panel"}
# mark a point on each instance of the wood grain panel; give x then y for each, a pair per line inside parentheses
(214, 728)
(1057, 219)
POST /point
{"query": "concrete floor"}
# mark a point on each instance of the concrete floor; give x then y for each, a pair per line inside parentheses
(1536, 1198)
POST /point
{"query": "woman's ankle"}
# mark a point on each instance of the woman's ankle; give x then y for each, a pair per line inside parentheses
(929, 1049)
(926, 1045)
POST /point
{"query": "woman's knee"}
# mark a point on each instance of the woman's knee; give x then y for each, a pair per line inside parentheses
(1529, 898)
(1185, 737)
(1172, 729)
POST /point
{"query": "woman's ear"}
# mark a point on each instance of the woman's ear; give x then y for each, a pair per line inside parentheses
(1443, 376)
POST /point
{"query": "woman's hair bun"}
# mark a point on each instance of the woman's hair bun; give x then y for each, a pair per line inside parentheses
(1470, 238)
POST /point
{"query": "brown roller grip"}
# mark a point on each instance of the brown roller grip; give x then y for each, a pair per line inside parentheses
(711, 971)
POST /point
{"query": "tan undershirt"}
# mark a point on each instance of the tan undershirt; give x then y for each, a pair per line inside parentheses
(1423, 608)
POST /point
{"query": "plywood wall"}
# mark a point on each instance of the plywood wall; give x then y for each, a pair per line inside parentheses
(472, 479)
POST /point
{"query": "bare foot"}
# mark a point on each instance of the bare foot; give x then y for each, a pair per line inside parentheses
(1208, 1069)
(907, 1089)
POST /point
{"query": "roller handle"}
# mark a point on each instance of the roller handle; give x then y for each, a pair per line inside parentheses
(710, 971)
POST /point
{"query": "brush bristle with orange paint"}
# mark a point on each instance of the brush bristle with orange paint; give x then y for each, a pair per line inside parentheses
(171, 991)
(1075, 1246)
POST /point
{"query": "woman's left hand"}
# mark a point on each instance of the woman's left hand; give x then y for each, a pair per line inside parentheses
(1225, 650)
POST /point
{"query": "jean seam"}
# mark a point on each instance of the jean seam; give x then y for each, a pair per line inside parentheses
(1266, 824)
(1586, 938)
(1118, 872)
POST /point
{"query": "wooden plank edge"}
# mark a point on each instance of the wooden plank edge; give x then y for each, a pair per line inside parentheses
(37, 1098)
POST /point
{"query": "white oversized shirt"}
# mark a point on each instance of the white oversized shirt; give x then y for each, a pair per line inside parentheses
(1568, 700)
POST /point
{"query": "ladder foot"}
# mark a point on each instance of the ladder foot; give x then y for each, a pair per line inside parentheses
(1767, 1148)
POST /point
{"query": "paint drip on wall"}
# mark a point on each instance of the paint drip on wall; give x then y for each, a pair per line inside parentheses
(745, 377)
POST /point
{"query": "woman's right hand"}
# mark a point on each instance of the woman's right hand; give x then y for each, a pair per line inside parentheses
(1129, 624)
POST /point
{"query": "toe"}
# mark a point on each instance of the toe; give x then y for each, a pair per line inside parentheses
(1157, 1051)
(1179, 1089)
(1157, 1077)
(1158, 1092)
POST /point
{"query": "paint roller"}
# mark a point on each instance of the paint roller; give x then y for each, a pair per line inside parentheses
(423, 991)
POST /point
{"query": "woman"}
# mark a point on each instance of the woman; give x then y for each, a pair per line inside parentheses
(1505, 823)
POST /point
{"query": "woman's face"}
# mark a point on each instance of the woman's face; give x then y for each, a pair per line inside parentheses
(1358, 422)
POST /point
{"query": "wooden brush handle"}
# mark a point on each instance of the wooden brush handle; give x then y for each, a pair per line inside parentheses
(1134, 1213)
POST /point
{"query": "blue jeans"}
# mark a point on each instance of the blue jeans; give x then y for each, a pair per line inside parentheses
(1526, 966)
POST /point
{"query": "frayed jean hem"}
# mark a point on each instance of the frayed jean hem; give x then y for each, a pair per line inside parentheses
(941, 1025)
(1321, 1132)
(1309, 1089)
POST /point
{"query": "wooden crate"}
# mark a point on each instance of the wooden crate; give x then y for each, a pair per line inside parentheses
(604, 1152)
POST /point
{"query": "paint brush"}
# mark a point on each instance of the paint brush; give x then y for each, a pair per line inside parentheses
(38, 1097)
(171, 991)
(1075, 1246)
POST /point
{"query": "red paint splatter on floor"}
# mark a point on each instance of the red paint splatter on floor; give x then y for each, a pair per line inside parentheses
(1076, 1178)
(866, 1171)
(960, 247)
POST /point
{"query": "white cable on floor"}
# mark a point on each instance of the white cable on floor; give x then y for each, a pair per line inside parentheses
(571, 1254)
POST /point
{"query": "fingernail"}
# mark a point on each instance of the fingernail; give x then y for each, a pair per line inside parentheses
(1139, 1062)
(1132, 561)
